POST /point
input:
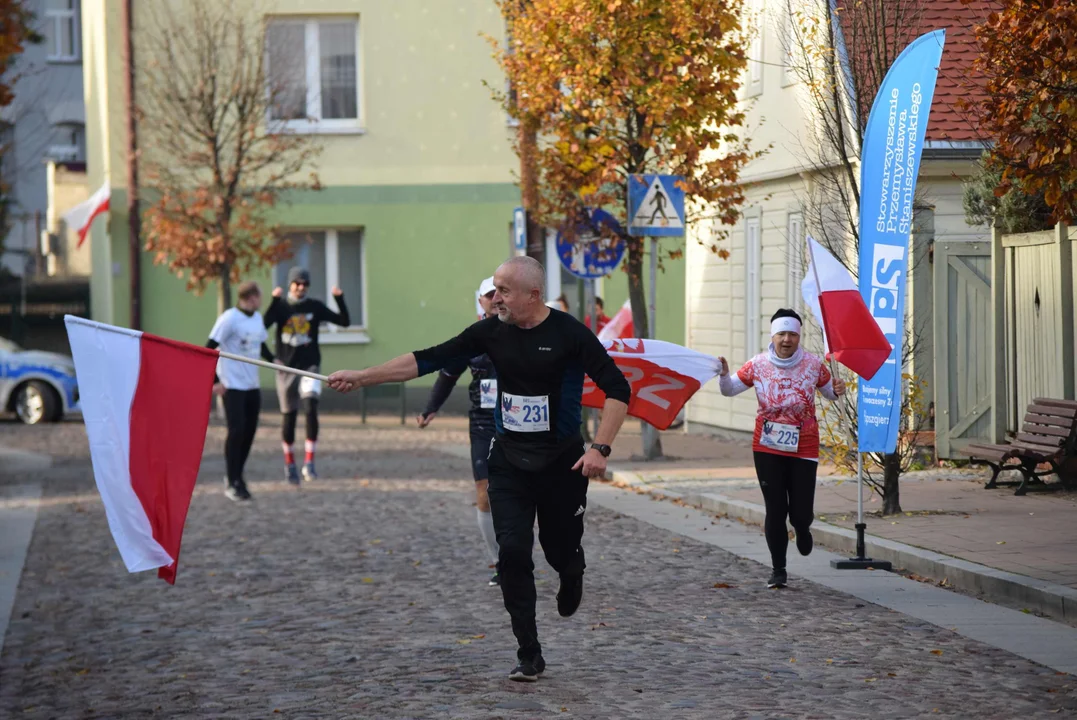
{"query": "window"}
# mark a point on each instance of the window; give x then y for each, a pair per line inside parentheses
(67, 143)
(755, 50)
(334, 258)
(797, 267)
(61, 30)
(753, 280)
(313, 74)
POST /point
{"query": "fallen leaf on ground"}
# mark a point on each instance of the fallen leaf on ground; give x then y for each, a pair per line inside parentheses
(368, 580)
(1001, 542)
(478, 637)
(936, 652)
(464, 641)
(723, 585)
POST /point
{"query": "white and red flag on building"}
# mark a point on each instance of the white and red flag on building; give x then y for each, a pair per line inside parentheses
(81, 217)
(851, 335)
(146, 403)
(663, 376)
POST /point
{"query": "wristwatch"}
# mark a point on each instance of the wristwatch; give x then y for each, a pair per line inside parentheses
(605, 450)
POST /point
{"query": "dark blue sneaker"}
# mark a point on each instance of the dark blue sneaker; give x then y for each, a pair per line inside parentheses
(291, 474)
(309, 473)
(528, 670)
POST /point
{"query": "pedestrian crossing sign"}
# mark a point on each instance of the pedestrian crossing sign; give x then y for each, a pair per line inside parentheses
(656, 205)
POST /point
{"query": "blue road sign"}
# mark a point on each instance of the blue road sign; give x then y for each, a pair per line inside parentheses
(591, 255)
(519, 228)
(655, 205)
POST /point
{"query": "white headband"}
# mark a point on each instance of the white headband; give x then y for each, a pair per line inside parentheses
(784, 324)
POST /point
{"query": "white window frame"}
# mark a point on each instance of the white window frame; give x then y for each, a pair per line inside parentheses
(753, 282)
(509, 50)
(68, 153)
(794, 227)
(755, 51)
(54, 17)
(313, 124)
(357, 332)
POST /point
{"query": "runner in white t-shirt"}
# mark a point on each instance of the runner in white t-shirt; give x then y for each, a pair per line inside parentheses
(241, 331)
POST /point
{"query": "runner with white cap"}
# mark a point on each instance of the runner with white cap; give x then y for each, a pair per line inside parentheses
(483, 396)
(786, 439)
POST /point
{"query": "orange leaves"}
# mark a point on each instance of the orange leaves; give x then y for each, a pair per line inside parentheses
(1030, 71)
(616, 88)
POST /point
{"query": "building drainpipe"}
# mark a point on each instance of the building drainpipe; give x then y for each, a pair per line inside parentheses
(134, 219)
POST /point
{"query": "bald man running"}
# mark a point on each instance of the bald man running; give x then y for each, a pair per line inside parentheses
(537, 464)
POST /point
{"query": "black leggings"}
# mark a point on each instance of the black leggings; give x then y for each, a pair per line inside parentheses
(241, 409)
(310, 409)
(788, 485)
(558, 495)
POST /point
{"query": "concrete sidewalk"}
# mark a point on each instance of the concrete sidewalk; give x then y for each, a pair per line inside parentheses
(1008, 549)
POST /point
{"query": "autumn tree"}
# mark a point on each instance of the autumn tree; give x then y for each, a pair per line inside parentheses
(840, 52)
(217, 162)
(620, 87)
(16, 32)
(1028, 55)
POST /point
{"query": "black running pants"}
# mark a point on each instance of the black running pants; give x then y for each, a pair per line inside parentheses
(241, 409)
(558, 496)
(788, 485)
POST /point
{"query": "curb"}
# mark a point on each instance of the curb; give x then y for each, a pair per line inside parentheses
(1055, 601)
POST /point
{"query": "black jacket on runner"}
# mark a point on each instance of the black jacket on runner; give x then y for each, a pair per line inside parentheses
(540, 373)
(297, 328)
(483, 386)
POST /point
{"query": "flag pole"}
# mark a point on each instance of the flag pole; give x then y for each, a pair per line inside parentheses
(273, 366)
(860, 562)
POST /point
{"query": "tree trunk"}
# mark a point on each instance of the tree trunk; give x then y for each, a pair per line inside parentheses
(652, 442)
(891, 476)
(224, 289)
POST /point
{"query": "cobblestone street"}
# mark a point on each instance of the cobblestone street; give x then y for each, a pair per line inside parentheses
(364, 595)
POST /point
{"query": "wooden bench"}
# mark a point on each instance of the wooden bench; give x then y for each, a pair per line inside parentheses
(1048, 437)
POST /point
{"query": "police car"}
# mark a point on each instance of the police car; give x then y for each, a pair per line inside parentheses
(37, 386)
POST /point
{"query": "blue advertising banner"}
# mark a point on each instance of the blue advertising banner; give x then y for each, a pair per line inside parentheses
(890, 163)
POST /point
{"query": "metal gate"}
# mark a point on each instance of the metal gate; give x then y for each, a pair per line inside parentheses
(964, 354)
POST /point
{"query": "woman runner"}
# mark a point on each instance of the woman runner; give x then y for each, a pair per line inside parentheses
(786, 439)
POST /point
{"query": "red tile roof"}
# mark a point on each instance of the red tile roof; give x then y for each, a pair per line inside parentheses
(956, 81)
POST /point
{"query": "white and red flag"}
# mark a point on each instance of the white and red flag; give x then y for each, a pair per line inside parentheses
(850, 334)
(663, 376)
(619, 326)
(80, 217)
(146, 403)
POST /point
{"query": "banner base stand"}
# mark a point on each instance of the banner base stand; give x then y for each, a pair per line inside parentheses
(860, 562)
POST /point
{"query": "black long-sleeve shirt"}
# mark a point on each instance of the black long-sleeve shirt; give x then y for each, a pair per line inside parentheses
(297, 328)
(540, 381)
(483, 385)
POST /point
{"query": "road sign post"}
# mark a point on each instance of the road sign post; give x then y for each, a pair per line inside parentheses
(655, 209)
(519, 231)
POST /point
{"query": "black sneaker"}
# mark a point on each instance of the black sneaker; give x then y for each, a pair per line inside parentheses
(291, 474)
(804, 542)
(244, 493)
(528, 670)
(495, 580)
(569, 595)
(778, 579)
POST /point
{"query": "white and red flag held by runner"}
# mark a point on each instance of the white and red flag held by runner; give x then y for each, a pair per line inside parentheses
(146, 403)
(663, 376)
(851, 335)
(81, 217)
(619, 326)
